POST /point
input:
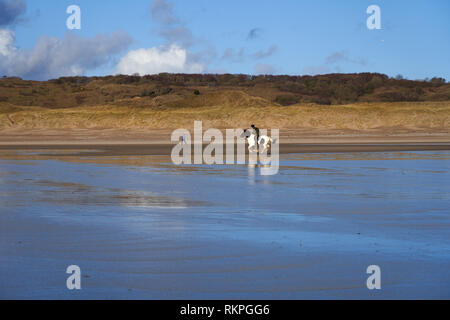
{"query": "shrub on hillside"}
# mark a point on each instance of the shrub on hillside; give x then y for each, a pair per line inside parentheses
(286, 99)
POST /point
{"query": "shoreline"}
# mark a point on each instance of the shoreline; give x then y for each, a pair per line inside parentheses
(157, 142)
(166, 149)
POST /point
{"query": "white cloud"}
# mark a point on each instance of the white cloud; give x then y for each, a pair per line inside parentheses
(53, 57)
(7, 38)
(173, 59)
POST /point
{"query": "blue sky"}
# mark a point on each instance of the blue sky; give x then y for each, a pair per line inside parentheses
(216, 36)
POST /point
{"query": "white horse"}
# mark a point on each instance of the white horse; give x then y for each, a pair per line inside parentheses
(264, 142)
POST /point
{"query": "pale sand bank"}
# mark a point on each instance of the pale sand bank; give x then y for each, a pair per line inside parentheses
(157, 142)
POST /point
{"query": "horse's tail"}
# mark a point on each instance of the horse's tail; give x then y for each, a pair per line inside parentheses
(273, 140)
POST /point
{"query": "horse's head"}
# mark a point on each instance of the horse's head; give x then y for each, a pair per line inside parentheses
(245, 134)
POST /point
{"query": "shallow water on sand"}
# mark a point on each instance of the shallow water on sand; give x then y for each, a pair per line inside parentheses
(141, 227)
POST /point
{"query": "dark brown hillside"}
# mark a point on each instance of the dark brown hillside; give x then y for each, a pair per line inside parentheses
(169, 90)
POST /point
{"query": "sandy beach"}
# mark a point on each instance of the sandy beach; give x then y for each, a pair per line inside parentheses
(140, 227)
(157, 142)
(152, 150)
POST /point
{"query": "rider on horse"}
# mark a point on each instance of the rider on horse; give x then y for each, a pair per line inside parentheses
(256, 132)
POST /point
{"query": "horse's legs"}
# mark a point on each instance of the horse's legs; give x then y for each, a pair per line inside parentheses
(263, 149)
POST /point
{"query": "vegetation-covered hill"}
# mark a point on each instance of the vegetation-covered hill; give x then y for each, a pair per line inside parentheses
(191, 90)
(336, 101)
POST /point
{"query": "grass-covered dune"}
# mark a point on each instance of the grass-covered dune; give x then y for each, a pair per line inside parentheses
(423, 116)
(354, 102)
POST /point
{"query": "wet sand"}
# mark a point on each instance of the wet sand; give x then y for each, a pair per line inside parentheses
(157, 142)
(165, 149)
(140, 227)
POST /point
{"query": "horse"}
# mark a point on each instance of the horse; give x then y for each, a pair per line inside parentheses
(264, 141)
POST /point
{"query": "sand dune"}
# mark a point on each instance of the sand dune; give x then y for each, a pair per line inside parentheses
(409, 116)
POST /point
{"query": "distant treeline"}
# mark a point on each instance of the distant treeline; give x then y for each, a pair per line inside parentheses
(280, 89)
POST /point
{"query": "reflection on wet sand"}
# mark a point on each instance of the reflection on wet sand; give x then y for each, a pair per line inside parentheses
(419, 155)
(68, 193)
(142, 227)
